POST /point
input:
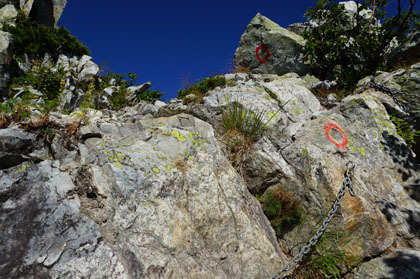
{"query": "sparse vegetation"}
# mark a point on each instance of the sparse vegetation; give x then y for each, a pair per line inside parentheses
(37, 39)
(330, 257)
(201, 88)
(404, 130)
(282, 210)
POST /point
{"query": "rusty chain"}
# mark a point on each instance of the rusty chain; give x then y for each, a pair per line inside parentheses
(314, 239)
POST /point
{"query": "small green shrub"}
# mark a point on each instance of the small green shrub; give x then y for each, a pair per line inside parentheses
(330, 257)
(150, 95)
(49, 82)
(37, 39)
(203, 87)
(404, 130)
(281, 209)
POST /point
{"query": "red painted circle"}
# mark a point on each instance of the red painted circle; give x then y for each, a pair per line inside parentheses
(343, 143)
(265, 59)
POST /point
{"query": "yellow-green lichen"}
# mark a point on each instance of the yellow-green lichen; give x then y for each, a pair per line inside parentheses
(161, 124)
(169, 167)
(118, 165)
(23, 168)
(178, 136)
(155, 148)
(155, 170)
(304, 152)
(362, 151)
(267, 97)
(190, 157)
(226, 98)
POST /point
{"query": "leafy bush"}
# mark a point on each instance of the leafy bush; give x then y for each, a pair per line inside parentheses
(281, 209)
(404, 130)
(203, 87)
(330, 257)
(48, 81)
(150, 95)
(348, 49)
(37, 39)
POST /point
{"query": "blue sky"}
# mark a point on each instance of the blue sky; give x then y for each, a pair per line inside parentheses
(166, 42)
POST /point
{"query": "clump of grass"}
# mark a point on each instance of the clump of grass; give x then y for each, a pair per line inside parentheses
(242, 127)
(250, 123)
(330, 257)
(282, 210)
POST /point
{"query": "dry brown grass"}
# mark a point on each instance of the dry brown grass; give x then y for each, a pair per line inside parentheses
(236, 147)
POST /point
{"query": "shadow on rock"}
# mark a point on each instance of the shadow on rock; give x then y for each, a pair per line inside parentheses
(403, 265)
(400, 153)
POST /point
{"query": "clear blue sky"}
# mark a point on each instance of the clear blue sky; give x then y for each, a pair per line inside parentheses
(167, 41)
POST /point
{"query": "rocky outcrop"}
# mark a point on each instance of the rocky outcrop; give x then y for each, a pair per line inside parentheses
(267, 48)
(144, 193)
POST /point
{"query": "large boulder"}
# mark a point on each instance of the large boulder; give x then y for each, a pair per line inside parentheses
(300, 156)
(267, 48)
(145, 199)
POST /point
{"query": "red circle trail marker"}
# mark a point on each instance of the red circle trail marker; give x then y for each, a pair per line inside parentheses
(267, 51)
(343, 143)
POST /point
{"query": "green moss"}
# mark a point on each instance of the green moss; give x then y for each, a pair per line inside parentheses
(405, 130)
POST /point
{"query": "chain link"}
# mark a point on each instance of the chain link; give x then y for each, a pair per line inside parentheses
(314, 239)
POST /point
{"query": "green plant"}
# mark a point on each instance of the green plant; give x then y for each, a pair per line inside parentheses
(330, 257)
(281, 209)
(150, 95)
(348, 48)
(48, 81)
(250, 123)
(404, 130)
(201, 88)
(37, 39)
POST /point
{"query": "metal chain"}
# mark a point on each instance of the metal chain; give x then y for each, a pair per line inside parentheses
(314, 239)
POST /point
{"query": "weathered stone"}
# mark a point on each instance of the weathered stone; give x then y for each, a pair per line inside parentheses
(46, 12)
(90, 69)
(8, 14)
(285, 49)
(403, 263)
(5, 62)
(14, 146)
(134, 91)
(153, 198)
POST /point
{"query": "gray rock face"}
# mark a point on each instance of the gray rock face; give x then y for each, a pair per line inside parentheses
(143, 195)
(5, 62)
(403, 86)
(155, 198)
(403, 263)
(267, 48)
